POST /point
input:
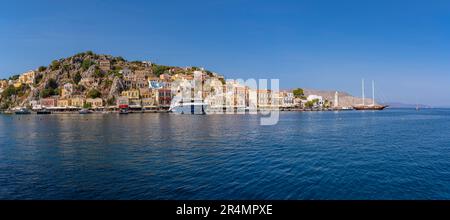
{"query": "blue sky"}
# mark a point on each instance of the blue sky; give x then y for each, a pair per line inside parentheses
(403, 45)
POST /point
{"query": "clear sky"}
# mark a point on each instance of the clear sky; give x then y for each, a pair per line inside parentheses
(403, 45)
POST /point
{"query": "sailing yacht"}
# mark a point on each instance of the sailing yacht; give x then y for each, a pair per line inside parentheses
(372, 106)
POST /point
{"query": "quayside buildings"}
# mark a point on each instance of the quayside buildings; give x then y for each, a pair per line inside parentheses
(145, 91)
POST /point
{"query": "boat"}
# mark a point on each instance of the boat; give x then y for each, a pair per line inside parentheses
(371, 107)
(43, 112)
(347, 108)
(124, 111)
(85, 111)
(194, 106)
(22, 111)
(7, 112)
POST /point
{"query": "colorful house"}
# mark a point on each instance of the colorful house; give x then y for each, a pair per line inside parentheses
(131, 94)
(67, 90)
(122, 102)
(27, 77)
(64, 103)
(134, 98)
(95, 103)
(264, 98)
(164, 76)
(48, 102)
(164, 97)
(77, 102)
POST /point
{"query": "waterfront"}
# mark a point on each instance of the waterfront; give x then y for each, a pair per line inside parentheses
(392, 154)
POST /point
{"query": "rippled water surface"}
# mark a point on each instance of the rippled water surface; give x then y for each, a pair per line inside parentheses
(393, 154)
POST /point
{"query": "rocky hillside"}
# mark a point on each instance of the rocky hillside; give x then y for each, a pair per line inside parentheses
(91, 74)
(102, 76)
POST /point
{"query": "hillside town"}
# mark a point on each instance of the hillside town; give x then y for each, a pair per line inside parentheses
(105, 83)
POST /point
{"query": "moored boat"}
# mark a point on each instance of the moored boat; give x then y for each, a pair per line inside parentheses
(371, 107)
(124, 111)
(22, 111)
(85, 111)
(43, 112)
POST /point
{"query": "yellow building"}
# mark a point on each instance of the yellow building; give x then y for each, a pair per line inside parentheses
(149, 98)
(131, 94)
(27, 78)
(67, 90)
(95, 103)
(17, 84)
(64, 103)
(77, 102)
(3, 84)
(264, 98)
(145, 93)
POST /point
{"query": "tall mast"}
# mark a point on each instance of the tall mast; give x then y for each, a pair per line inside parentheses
(363, 94)
(373, 92)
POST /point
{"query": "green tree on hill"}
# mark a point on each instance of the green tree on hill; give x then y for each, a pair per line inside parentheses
(77, 78)
(299, 93)
(14, 77)
(9, 91)
(51, 84)
(94, 93)
(55, 65)
(159, 69)
(42, 68)
(309, 104)
(86, 64)
(45, 93)
(97, 73)
(120, 59)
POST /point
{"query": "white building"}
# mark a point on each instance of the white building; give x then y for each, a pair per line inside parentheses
(288, 99)
(316, 97)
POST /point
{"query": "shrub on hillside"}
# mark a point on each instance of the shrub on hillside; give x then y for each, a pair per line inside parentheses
(55, 65)
(93, 93)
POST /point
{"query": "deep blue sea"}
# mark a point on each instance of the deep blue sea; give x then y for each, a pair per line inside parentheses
(391, 154)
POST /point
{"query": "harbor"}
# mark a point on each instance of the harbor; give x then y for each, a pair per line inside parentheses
(323, 155)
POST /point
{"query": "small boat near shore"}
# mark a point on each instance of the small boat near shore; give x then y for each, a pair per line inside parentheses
(22, 111)
(44, 112)
(124, 111)
(85, 111)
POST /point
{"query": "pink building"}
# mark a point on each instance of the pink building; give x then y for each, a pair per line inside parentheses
(48, 102)
(164, 97)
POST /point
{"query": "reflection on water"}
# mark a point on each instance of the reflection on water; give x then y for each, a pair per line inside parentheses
(394, 154)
